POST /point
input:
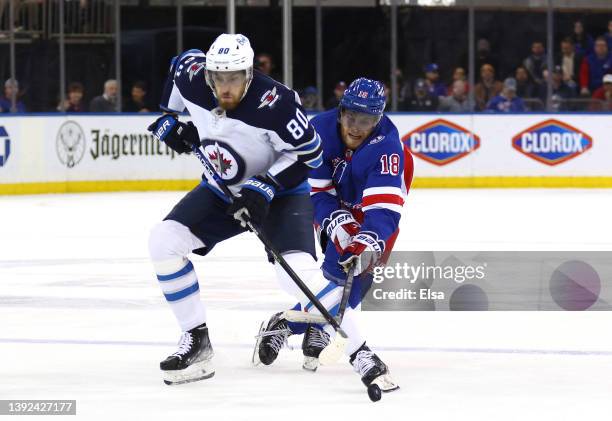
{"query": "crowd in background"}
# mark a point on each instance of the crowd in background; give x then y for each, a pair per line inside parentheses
(74, 102)
(581, 80)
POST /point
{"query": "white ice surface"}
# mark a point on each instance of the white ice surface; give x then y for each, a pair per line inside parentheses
(82, 317)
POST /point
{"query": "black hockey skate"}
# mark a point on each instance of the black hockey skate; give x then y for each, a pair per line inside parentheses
(192, 361)
(314, 341)
(372, 370)
(270, 340)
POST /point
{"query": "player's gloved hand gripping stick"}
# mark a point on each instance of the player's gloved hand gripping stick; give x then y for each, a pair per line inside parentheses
(338, 344)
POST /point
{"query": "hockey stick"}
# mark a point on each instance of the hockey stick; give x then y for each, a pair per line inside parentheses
(299, 316)
(334, 350)
(346, 292)
(210, 170)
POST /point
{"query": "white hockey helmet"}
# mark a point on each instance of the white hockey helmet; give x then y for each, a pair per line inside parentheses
(230, 53)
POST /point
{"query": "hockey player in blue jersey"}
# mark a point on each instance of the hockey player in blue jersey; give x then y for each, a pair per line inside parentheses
(255, 132)
(358, 194)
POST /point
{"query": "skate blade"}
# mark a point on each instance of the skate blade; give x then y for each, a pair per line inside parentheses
(333, 351)
(198, 371)
(255, 357)
(310, 364)
(385, 383)
(174, 383)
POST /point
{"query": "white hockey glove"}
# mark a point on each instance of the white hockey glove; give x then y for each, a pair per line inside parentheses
(340, 228)
(363, 252)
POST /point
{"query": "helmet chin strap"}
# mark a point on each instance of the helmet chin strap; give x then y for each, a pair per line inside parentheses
(249, 78)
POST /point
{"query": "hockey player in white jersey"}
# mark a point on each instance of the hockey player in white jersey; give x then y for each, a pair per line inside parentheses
(255, 132)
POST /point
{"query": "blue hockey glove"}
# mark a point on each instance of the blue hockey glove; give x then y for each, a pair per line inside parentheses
(363, 252)
(177, 135)
(253, 202)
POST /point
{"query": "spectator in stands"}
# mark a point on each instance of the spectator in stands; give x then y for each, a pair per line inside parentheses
(137, 103)
(484, 55)
(561, 91)
(265, 64)
(458, 101)
(74, 101)
(608, 35)
(432, 78)
(594, 67)
(4, 15)
(422, 99)
(309, 97)
(458, 74)
(107, 102)
(11, 87)
(583, 42)
(405, 88)
(334, 101)
(570, 62)
(525, 88)
(388, 95)
(536, 62)
(604, 95)
(507, 101)
(487, 88)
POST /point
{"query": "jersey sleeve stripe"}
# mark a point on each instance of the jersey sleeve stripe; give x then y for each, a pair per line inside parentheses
(388, 206)
(383, 198)
(310, 146)
(382, 190)
(315, 162)
(284, 162)
(319, 182)
(320, 189)
(330, 190)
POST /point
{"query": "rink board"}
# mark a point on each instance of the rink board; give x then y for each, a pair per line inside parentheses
(80, 153)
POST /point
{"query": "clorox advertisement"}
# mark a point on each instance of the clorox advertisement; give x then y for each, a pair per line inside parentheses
(441, 142)
(552, 142)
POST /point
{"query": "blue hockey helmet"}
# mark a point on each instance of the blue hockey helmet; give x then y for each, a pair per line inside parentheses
(365, 95)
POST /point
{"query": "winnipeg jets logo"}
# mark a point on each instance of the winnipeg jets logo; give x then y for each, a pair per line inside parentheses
(222, 164)
(194, 69)
(269, 98)
(227, 162)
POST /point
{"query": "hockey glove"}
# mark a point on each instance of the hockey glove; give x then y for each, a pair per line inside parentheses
(177, 135)
(363, 252)
(253, 202)
(340, 228)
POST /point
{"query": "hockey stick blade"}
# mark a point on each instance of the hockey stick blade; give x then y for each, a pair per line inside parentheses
(303, 317)
(333, 351)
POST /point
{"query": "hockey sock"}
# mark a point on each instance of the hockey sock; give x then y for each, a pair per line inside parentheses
(169, 244)
(179, 283)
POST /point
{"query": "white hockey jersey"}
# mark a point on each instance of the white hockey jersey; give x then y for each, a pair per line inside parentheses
(268, 134)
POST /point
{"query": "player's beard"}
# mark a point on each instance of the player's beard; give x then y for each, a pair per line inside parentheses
(229, 100)
(228, 104)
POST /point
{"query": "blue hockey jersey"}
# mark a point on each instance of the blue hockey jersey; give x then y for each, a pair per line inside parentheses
(266, 134)
(370, 182)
